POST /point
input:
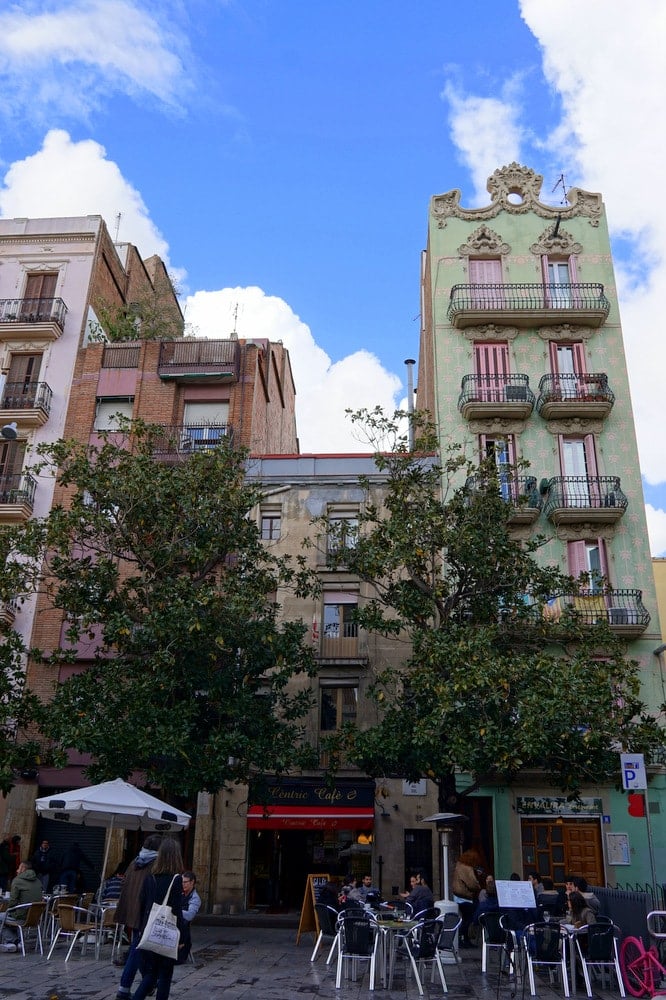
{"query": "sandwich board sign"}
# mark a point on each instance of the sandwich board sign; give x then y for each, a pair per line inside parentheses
(309, 920)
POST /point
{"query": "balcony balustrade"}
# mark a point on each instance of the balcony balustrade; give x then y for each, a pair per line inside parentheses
(585, 396)
(572, 499)
(483, 396)
(8, 611)
(17, 497)
(28, 403)
(528, 304)
(185, 360)
(18, 318)
(622, 610)
(520, 492)
(179, 441)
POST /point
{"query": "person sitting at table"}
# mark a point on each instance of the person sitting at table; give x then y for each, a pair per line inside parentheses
(420, 897)
(329, 895)
(26, 888)
(550, 900)
(365, 888)
(113, 885)
(487, 900)
(580, 914)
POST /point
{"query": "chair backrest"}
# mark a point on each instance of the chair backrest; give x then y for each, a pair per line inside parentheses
(547, 943)
(68, 900)
(34, 914)
(327, 917)
(67, 916)
(429, 913)
(600, 939)
(450, 925)
(109, 916)
(492, 927)
(357, 933)
(426, 939)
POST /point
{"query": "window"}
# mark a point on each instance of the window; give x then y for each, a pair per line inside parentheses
(488, 273)
(206, 423)
(342, 532)
(501, 450)
(568, 361)
(339, 610)
(338, 704)
(40, 289)
(108, 409)
(12, 454)
(491, 367)
(579, 467)
(589, 559)
(559, 277)
(22, 379)
(271, 523)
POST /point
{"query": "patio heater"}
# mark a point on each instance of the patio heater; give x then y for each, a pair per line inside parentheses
(449, 828)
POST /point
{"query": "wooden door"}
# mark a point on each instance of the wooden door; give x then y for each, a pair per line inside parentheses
(582, 849)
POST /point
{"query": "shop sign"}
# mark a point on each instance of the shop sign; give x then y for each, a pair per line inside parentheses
(557, 805)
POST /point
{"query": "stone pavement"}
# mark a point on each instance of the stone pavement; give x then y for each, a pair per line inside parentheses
(248, 963)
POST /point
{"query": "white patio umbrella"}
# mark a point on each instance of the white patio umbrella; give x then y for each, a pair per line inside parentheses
(113, 805)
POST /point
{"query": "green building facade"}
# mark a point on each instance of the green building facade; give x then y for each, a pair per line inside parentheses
(522, 358)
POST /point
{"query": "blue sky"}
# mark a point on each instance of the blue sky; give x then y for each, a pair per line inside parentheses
(281, 155)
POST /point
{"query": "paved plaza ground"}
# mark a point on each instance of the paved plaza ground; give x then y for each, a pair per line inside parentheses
(247, 963)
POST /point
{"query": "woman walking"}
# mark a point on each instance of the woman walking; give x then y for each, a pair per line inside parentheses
(156, 970)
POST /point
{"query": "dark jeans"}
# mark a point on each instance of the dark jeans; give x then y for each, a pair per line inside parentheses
(155, 970)
(68, 878)
(131, 966)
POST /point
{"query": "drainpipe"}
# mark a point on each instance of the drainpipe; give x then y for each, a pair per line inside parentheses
(410, 362)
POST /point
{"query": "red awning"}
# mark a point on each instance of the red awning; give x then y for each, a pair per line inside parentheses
(310, 818)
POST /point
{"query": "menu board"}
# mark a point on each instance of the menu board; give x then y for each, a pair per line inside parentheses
(516, 895)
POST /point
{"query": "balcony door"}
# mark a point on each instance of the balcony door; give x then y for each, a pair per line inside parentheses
(501, 451)
(580, 468)
(491, 367)
(558, 276)
(12, 454)
(568, 360)
(489, 273)
(40, 289)
(22, 379)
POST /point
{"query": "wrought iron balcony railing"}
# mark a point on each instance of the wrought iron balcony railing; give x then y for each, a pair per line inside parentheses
(18, 489)
(519, 491)
(527, 303)
(482, 393)
(577, 498)
(26, 396)
(189, 358)
(181, 440)
(121, 356)
(33, 311)
(623, 610)
(561, 395)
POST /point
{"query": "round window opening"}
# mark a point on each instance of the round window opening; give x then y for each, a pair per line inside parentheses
(515, 197)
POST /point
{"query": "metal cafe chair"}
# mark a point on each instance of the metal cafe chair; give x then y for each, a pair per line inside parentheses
(327, 918)
(596, 945)
(448, 938)
(493, 936)
(422, 948)
(107, 928)
(546, 946)
(359, 940)
(74, 923)
(26, 917)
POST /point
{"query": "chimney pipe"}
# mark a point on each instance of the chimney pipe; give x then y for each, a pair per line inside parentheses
(410, 362)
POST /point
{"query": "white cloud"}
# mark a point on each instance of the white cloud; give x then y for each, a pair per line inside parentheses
(69, 56)
(656, 520)
(323, 389)
(76, 178)
(485, 130)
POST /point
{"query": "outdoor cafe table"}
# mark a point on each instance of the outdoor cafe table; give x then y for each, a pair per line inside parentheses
(390, 931)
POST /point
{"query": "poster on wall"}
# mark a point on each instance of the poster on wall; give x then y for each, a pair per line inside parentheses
(617, 849)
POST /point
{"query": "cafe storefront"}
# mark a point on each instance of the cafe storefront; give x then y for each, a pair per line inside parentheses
(296, 827)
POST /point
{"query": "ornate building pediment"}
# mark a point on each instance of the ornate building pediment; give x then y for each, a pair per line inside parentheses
(579, 532)
(490, 331)
(550, 243)
(575, 425)
(497, 425)
(484, 241)
(565, 333)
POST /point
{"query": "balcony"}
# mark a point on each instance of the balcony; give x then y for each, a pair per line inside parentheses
(17, 497)
(27, 403)
(341, 642)
(528, 305)
(506, 396)
(27, 319)
(180, 441)
(622, 610)
(520, 492)
(583, 396)
(572, 499)
(189, 360)
(8, 612)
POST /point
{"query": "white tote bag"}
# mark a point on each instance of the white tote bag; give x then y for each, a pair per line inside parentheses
(161, 934)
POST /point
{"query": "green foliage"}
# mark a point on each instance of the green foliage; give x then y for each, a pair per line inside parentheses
(161, 571)
(491, 687)
(151, 318)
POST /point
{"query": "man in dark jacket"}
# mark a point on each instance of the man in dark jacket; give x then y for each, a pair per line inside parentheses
(44, 864)
(128, 911)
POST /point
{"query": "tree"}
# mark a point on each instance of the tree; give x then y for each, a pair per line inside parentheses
(491, 686)
(161, 567)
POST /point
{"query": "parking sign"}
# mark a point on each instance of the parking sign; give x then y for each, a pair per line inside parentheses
(633, 771)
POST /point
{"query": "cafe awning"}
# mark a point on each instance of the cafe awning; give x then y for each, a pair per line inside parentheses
(310, 817)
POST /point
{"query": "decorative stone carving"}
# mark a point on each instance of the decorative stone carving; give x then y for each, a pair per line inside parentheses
(563, 243)
(516, 189)
(497, 425)
(575, 425)
(566, 332)
(491, 332)
(579, 532)
(484, 241)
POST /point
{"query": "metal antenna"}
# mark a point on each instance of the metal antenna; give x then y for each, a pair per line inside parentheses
(234, 332)
(561, 183)
(118, 218)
